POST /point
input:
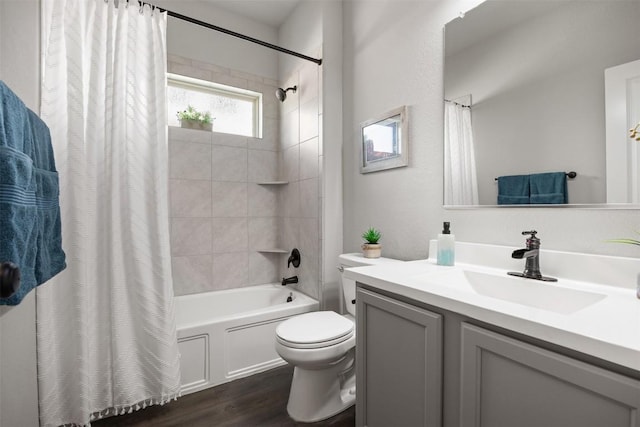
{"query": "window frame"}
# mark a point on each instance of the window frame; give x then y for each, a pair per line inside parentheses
(209, 87)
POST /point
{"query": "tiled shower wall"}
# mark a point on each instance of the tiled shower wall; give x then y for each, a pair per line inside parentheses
(301, 166)
(220, 216)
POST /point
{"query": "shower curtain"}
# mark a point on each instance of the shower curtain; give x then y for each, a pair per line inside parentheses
(460, 179)
(106, 336)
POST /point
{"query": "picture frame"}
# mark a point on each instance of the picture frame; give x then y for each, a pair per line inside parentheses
(384, 141)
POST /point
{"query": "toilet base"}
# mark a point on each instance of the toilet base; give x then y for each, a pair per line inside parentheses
(318, 394)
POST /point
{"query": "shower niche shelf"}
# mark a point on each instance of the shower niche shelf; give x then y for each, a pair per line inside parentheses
(273, 251)
(273, 183)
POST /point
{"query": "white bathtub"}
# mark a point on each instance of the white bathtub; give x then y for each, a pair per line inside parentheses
(230, 334)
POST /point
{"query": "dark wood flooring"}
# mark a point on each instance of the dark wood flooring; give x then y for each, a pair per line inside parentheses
(256, 401)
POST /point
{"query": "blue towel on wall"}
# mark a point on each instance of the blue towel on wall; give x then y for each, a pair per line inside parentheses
(549, 188)
(513, 190)
(30, 231)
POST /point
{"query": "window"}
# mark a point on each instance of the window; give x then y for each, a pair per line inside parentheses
(236, 111)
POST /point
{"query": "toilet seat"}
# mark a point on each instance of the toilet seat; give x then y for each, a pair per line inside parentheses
(315, 330)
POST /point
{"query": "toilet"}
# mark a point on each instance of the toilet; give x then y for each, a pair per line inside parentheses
(321, 347)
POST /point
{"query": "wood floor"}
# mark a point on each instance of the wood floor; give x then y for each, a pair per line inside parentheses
(256, 401)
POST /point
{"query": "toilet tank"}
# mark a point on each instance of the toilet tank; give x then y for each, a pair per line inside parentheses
(348, 285)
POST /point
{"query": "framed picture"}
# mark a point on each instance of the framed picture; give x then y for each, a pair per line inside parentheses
(384, 141)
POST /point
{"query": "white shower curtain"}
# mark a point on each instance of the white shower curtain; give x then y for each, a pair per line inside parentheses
(460, 178)
(106, 334)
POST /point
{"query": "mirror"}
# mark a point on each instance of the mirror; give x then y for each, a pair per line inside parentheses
(384, 141)
(524, 89)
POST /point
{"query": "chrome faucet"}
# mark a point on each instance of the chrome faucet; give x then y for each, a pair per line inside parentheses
(532, 255)
(289, 280)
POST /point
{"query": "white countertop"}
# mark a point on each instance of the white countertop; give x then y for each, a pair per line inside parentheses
(608, 329)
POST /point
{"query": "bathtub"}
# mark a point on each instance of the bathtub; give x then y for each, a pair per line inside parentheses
(230, 334)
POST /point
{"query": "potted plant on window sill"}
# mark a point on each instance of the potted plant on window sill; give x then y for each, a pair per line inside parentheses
(371, 249)
(194, 119)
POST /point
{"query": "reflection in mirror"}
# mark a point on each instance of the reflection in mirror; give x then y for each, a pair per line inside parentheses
(384, 141)
(525, 89)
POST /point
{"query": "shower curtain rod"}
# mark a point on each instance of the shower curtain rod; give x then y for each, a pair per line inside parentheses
(234, 34)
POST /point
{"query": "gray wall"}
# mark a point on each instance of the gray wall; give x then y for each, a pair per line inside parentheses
(393, 56)
(19, 68)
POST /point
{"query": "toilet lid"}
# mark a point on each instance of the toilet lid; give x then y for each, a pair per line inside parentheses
(311, 329)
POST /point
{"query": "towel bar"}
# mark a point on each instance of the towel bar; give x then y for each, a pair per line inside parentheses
(9, 279)
(569, 175)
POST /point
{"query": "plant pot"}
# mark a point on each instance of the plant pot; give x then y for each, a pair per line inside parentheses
(372, 250)
(194, 124)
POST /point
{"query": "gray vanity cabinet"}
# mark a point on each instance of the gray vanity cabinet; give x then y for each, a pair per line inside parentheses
(420, 365)
(507, 382)
(398, 363)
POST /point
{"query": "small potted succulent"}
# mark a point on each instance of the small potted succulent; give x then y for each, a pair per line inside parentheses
(371, 249)
(194, 119)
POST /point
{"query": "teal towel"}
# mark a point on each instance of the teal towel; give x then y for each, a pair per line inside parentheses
(50, 258)
(30, 231)
(18, 218)
(513, 190)
(549, 188)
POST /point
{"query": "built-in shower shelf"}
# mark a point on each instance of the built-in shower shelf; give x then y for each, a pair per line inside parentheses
(273, 251)
(273, 183)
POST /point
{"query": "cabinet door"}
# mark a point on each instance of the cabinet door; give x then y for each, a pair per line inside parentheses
(398, 364)
(506, 382)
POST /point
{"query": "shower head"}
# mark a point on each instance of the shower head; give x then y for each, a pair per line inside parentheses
(281, 94)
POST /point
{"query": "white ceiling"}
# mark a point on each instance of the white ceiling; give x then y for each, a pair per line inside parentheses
(270, 12)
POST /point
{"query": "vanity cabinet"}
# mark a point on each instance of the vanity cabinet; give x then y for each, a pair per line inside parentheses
(507, 382)
(398, 363)
(420, 365)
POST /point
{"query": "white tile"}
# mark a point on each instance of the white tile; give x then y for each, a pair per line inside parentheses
(230, 235)
(252, 78)
(309, 159)
(270, 136)
(211, 67)
(264, 267)
(292, 101)
(229, 164)
(228, 139)
(309, 198)
(192, 274)
(270, 104)
(190, 71)
(308, 82)
(230, 270)
(263, 166)
(228, 80)
(290, 231)
(189, 160)
(176, 133)
(289, 201)
(191, 236)
(309, 120)
(229, 199)
(289, 130)
(263, 233)
(291, 164)
(310, 236)
(178, 59)
(263, 200)
(189, 198)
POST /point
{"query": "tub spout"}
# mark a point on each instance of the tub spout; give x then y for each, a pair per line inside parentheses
(289, 280)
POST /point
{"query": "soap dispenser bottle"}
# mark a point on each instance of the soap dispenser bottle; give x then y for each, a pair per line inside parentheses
(446, 246)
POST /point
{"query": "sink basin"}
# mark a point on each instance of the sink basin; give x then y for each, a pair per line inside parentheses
(528, 292)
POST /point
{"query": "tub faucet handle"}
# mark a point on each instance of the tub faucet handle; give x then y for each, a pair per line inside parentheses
(294, 258)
